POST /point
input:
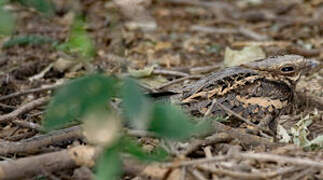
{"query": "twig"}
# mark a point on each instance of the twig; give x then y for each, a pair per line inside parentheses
(51, 162)
(204, 69)
(281, 159)
(195, 162)
(29, 91)
(241, 30)
(303, 51)
(197, 174)
(262, 43)
(208, 154)
(214, 30)
(217, 138)
(24, 108)
(243, 175)
(168, 72)
(244, 138)
(42, 73)
(7, 106)
(27, 124)
(34, 144)
(252, 35)
(183, 173)
(178, 80)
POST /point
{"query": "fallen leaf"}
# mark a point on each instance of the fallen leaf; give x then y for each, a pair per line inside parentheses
(247, 54)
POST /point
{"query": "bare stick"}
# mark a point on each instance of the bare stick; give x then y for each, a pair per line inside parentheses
(178, 80)
(195, 162)
(244, 138)
(168, 72)
(241, 30)
(281, 159)
(24, 108)
(252, 35)
(50, 162)
(217, 138)
(197, 174)
(27, 124)
(34, 144)
(243, 175)
(29, 91)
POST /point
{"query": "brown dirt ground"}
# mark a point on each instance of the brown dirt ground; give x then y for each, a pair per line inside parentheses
(289, 27)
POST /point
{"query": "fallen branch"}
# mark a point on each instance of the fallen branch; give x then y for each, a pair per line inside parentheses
(34, 144)
(241, 30)
(29, 91)
(244, 175)
(281, 159)
(178, 80)
(243, 137)
(23, 109)
(169, 72)
(217, 138)
(50, 162)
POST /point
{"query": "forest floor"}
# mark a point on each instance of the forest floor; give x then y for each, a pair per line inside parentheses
(174, 39)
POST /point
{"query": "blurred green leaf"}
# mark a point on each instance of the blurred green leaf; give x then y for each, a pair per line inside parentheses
(109, 165)
(131, 147)
(7, 22)
(3, 2)
(170, 122)
(316, 143)
(43, 6)
(78, 98)
(136, 106)
(79, 40)
(27, 40)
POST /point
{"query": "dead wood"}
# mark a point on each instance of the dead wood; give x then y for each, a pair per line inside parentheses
(24, 108)
(35, 144)
(244, 138)
(29, 91)
(50, 162)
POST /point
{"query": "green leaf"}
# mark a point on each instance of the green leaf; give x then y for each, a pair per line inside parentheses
(77, 98)
(131, 147)
(136, 106)
(27, 40)
(316, 143)
(7, 22)
(109, 165)
(43, 6)
(170, 122)
(79, 41)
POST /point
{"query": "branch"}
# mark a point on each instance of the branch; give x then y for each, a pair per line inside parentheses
(23, 109)
(50, 162)
(34, 144)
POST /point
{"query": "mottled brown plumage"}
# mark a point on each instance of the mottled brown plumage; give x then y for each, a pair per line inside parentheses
(259, 91)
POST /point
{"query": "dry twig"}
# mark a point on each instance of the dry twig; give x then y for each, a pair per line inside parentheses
(243, 175)
(24, 108)
(214, 139)
(34, 144)
(29, 91)
(281, 159)
(169, 72)
(178, 80)
(50, 162)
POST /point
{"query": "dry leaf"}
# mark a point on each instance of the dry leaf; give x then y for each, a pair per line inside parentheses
(247, 54)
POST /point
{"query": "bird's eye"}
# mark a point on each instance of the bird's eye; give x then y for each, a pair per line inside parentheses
(287, 69)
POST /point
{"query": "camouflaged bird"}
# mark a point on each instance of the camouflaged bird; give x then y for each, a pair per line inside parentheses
(259, 91)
